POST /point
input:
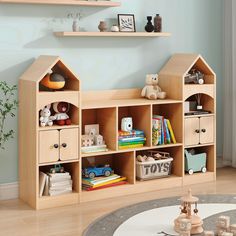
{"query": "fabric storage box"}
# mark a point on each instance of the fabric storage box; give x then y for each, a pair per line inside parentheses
(159, 168)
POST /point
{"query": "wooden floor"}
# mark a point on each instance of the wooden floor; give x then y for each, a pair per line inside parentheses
(17, 219)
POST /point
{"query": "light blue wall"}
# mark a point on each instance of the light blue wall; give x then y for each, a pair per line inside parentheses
(106, 63)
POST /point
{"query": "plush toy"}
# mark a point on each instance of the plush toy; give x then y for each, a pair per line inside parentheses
(53, 81)
(45, 116)
(152, 91)
(61, 109)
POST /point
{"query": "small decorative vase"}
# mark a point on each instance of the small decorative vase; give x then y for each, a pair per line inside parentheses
(115, 28)
(75, 26)
(149, 27)
(157, 23)
(102, 26)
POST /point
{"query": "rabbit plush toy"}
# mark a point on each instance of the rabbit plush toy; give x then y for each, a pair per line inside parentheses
(45, 116)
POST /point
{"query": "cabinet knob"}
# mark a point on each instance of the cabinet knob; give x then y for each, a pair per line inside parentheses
(56, 146)
(64, 145)
(204, 130)
(197, 131)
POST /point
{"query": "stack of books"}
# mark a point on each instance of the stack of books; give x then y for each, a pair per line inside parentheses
(95, 148)
(131, 139)
(102, 182)
(54, 184)
(162, 132)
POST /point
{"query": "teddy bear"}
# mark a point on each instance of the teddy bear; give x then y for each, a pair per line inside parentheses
(45, 116)
(61, 109)
(152, 91)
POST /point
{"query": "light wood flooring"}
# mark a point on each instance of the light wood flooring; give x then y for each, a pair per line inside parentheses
(17, 219)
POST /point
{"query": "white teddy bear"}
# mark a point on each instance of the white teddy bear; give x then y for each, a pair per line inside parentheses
(152, 90)
(45, 116)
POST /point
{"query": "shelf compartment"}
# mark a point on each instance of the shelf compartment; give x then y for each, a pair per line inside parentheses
(202, 66)
(73, 113)
(176, 152)
(106, 118)
(65, 2)
(110, 34)
(141, 116)
(131, 189)
(210, 151)
(173, 112)
(72, 168)
(123, 164)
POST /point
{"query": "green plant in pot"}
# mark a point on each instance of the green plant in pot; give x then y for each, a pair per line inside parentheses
(8, 107)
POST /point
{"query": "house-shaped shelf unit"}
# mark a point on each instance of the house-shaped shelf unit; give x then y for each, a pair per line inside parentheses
(199, 129)
(36, 144)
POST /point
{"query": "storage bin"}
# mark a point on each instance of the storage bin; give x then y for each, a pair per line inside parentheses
(159, 168)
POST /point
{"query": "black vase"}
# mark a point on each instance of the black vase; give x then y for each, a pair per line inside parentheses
(149, 27)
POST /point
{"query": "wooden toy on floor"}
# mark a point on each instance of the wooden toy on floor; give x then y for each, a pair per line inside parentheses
(186, 213)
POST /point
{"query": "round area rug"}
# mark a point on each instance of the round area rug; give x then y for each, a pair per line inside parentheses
(154, 217)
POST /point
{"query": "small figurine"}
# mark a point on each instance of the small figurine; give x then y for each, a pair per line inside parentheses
(57, 169)
(61, 109)
(127, 124)
(194, 76)
(98, 140)
(53, 81)
(152, 91)
(87, 141)
(45, 116)
(186, 213)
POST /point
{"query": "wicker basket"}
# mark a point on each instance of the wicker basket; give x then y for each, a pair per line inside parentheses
(159, 168)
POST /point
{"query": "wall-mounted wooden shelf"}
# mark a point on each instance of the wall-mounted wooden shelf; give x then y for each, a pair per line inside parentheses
(65, 2)
(110, 34)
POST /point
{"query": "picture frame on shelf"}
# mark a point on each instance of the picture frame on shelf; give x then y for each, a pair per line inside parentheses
(126, 22)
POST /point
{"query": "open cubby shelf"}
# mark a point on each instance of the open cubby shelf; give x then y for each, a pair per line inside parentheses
(107, 108)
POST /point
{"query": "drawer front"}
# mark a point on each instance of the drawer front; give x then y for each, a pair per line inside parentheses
(192, 131)
(207, 130)
(48, 146)
(69, 142)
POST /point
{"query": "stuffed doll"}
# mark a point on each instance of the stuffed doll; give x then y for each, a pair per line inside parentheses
(61, 109)
(152, 91)
(45, 116)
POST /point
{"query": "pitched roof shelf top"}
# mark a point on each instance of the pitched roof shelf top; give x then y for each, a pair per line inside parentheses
(66, 2)
(110, 34)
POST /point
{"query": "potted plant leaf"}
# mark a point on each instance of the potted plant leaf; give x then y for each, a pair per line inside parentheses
(8, 106)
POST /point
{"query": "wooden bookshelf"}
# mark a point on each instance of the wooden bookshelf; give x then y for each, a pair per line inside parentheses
(65, 2)
(111, 34)
(107, 108)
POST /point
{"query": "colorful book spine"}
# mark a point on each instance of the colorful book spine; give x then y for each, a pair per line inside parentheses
(161, 118)
(168, 139)
(131, 143)
(132, 132)
(130, 146)
(105, 186)
(131, 136)
(171, 132)
(138, 139)
(108, 182)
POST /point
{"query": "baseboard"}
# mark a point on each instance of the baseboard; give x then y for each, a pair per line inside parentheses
(9, 191)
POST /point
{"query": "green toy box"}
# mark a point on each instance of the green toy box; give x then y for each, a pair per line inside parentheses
(195, 162)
